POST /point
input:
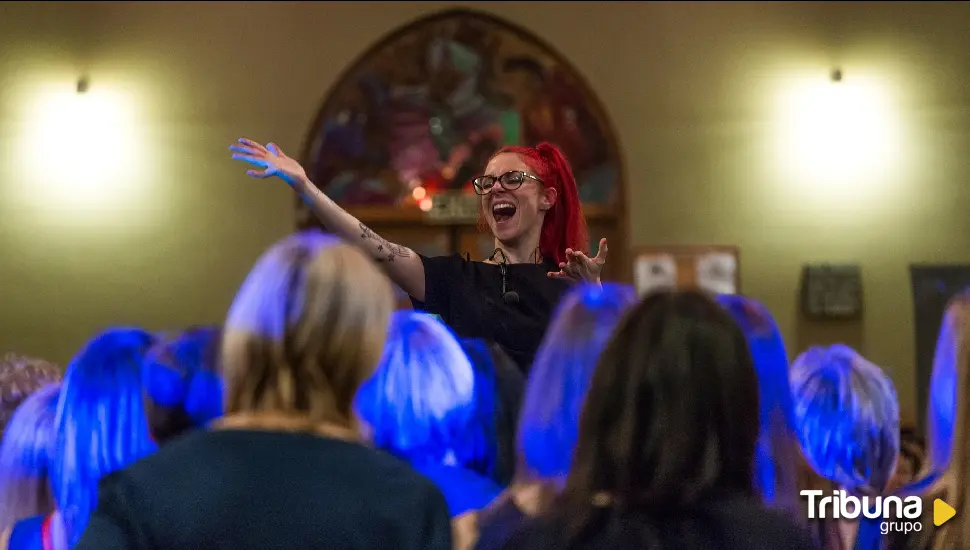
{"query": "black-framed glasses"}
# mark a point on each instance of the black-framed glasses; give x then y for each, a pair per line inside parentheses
(510, 181)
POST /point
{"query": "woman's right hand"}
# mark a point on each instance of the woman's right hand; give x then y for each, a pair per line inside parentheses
(270, 158)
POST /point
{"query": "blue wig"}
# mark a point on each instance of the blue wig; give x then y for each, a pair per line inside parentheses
(182, 374)
(560, 376)
(100, 424)
(25, 453)
(420, 403)
(848, 418)
(776, 475)
(942, 409)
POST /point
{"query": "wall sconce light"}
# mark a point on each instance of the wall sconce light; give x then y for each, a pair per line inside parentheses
(82, 85)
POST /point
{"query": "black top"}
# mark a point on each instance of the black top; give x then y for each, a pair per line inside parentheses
(468, 297)
(725, 524)
(244, 490)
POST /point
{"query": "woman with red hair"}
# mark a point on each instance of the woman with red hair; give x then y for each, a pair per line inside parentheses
(530, 203)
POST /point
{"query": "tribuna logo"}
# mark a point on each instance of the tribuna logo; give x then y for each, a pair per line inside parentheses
(840, 505)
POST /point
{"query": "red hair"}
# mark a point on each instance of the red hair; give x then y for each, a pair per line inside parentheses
(564, 225)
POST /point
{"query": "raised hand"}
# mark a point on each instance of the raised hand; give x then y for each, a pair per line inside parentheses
(270, 158)
(580, 267)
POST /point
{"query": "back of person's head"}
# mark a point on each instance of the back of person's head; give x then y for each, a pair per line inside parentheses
(776, 474)
(498, 399)
(942, 406)
(953, 404)
(912, 455)
(420, 404)
(25, 453)
(557, 384)
(847, 416)
(183, 386)
(19, 377)
(305, 330)
(671, 415)
(100, 425)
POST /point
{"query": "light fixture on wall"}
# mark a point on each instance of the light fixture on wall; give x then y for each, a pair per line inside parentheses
(838, 137)
(80, 147)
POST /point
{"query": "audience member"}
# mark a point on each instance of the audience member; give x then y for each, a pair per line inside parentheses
(19, 377)
(667, 441)
(777, 452)
(285, 468)
(499, 385)
(946, 470)
(554, 396)
(25, 454)
(420, 406)
(183, 388)
(847, 415)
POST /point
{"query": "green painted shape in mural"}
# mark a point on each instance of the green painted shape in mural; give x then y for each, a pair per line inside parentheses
(464, 59)
(511, 123)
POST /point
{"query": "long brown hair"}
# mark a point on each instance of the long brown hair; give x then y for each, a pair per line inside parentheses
(671, 415)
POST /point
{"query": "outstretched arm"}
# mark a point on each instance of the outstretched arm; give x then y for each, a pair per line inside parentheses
(402, 265)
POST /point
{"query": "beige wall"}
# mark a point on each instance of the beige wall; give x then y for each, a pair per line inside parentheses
(691, 88)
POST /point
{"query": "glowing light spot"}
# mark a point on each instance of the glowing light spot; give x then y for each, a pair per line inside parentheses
(425, 204)
(837, 140)
(79, 151)
(419, 193)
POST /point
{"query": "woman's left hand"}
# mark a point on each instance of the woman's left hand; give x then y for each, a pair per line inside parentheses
(580, 267)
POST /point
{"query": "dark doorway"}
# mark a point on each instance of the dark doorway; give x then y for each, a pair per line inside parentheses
(933, 286)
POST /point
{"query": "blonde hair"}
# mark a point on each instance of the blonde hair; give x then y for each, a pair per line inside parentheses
(305, 330)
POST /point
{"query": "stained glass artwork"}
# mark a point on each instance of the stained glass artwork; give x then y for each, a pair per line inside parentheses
(423, 110)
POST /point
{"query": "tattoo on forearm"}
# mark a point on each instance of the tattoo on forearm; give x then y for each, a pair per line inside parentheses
(385, 251)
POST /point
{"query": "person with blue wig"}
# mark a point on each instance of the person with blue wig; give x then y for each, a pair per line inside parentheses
(499, 385)
(554, 396)
(944, 474)
(847, 415)
(25, 461)
(777, 452)
(287, 465)
(183, 386)
(421, 406)
(99, 428)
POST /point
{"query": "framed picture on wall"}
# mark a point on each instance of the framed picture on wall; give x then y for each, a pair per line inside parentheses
(714, 268)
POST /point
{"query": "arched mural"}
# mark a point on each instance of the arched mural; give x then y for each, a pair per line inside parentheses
(426, 106)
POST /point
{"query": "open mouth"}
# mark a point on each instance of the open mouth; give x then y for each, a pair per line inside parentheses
(503, 211)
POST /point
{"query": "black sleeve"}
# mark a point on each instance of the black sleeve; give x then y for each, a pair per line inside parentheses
(111, 526)
(437, 532)
(440, 274)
